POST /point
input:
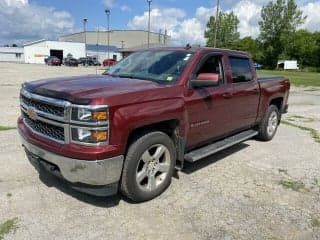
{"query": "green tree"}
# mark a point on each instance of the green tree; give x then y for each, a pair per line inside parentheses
(252, 46)
(227, 34)
(279, 22)
(306, 48)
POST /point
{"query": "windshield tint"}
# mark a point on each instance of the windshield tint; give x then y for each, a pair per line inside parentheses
(159, 66)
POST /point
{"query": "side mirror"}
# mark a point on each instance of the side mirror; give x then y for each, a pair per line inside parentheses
(206, 80)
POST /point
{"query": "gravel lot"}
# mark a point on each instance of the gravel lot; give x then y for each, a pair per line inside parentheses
(235, 194)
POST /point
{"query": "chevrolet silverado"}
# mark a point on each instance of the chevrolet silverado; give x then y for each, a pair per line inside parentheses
(129, 129)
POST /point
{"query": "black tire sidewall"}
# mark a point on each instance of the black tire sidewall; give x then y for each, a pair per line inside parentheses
(135, 151)
(263, 133)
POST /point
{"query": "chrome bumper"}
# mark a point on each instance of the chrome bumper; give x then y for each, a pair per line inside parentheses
(97, 172)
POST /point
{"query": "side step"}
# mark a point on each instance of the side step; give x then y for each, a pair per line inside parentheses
(219, 145)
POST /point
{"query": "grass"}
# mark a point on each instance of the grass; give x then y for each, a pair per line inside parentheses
(296, 78)
(4, 128)
(7, 227)
(314, 133)
(9, 195)
(297, 117)
(293, 185)
(315, 222)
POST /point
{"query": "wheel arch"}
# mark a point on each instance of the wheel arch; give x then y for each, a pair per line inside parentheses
(278, 102)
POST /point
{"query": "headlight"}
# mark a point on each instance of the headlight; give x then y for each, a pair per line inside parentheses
(91, 136)
(90, 124)
(90, 114)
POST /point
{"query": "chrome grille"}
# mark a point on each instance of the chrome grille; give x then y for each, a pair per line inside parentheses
(51, 117)
(43, 107)
(46, 129)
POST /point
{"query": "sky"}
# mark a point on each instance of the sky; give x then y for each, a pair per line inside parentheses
(185, 20)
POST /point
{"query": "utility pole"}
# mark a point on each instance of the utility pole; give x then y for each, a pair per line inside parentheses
(107, 11)
(216, 24)
(122, 44)
(85, 20)
(149, 4)
(165, 37)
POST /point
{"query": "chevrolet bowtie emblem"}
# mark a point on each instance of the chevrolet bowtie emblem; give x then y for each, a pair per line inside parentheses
(32, 113)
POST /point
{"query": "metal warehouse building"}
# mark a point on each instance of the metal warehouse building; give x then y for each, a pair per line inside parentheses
(36, 52)
(11, 54)
(119, 38)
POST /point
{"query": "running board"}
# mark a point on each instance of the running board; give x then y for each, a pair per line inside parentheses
(219, 145)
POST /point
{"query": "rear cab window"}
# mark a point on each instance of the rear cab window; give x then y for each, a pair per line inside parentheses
(241, 70)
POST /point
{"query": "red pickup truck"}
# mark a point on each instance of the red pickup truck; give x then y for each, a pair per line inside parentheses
(130, 128)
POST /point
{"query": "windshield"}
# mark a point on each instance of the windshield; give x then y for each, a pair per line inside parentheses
(159, 66)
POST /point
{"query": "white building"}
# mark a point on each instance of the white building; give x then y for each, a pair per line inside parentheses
(36, 52)
(11, 54)
(288, 65)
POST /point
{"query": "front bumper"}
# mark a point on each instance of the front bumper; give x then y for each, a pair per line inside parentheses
(97, 172)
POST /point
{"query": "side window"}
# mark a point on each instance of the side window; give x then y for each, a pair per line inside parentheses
(240, 68)
(212, 64)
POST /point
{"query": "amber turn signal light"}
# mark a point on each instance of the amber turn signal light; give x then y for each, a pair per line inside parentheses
(99, 116)
(100, 136)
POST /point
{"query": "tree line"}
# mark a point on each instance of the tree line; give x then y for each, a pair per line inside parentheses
(281, 36)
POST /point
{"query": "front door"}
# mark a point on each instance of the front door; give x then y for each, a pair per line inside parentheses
(208, 108)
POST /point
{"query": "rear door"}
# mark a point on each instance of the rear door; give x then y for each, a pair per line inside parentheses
(244, 99)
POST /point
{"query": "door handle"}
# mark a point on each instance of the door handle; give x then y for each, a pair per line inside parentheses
(255, 90)
(227, 95)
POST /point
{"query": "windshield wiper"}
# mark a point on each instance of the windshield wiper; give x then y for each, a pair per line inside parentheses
(123, 75)
(138, 77)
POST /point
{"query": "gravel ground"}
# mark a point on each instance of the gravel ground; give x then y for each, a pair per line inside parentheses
(234, 194)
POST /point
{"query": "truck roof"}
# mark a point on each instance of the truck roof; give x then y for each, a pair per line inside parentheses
(197, 49)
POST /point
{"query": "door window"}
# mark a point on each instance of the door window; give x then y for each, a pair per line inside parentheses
(212, 64)
(241, 71)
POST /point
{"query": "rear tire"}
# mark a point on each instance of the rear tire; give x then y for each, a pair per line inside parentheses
(269, 124)
(148, 167)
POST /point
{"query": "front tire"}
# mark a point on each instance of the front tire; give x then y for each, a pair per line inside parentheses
(269, 124)
(148, 167)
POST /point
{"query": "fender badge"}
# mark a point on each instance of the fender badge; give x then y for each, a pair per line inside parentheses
(32, 113)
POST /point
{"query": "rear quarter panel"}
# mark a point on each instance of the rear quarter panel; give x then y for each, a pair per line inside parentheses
(272, 89)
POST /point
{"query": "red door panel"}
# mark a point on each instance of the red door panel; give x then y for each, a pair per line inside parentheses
(208, 114)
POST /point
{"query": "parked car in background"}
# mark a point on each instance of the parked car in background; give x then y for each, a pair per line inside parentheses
(71, 62)
(109, 62)
(52, 61)
(257, 66)
(90, 61)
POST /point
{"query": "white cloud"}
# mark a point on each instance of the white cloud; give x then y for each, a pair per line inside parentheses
(173, 20)
(203, 14)
(248, 14)
(191, 30)
(22, 21)
(167, 18)
(108, 3)
(125, 8)
(312, 10)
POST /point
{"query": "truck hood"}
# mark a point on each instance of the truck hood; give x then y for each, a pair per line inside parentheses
(84, 89)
